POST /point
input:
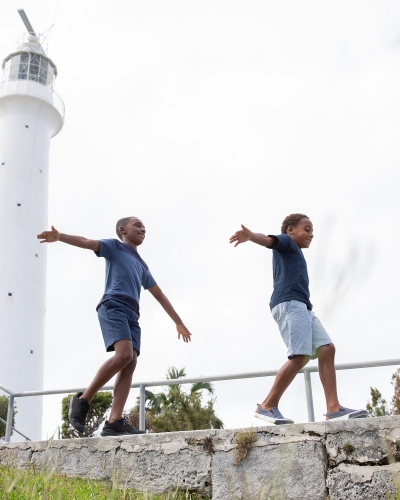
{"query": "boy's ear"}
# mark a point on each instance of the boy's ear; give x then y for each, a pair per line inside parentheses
(122, 229)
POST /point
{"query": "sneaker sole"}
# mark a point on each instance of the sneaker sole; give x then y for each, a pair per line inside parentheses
(111, 433)
(355, 414)
(276, 421)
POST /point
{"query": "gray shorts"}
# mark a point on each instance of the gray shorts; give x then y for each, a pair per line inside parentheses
(301, 330)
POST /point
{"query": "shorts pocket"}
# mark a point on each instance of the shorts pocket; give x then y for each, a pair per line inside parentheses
(281, 309)
(287, 306)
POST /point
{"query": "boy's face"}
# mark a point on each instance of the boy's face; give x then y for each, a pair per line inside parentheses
(302, 234)
(133, 232)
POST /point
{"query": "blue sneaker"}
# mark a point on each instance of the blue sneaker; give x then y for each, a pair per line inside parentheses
(274, 416)
(346, 413)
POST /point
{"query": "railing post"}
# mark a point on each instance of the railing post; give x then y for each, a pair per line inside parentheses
(310, 404)
(10, 412)
(142, 408)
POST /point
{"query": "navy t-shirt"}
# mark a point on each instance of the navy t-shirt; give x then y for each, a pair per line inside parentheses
(290, 272)
(126, 273)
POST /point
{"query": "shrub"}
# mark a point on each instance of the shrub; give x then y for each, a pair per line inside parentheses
(176, 409)
(3, 415)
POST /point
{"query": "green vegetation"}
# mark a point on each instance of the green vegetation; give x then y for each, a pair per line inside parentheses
(245, 441)
(396, 496)
(3, 415)
(22, 485)
(378, 406)
(177, 410)
(97, 414)
(348, 448)
(396, 395)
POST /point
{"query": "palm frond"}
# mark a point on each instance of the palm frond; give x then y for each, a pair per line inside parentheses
(199, 386)
(173, 373)
(149, 396)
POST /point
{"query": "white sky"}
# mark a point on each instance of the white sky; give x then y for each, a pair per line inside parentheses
(197, 116)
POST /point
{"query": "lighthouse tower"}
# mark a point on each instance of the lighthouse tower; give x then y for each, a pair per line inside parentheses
(31, 113)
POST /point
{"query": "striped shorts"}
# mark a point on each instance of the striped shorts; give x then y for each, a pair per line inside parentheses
(301, 330)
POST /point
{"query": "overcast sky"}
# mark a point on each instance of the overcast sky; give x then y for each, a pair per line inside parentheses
(197, 116)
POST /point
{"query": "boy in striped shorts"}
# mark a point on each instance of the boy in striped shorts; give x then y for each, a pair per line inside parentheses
(301, 330)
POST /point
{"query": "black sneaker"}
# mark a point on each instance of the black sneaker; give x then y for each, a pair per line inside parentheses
(120, 427)
(78, 409)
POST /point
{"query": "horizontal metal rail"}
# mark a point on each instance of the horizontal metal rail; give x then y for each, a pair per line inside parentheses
(307, 370)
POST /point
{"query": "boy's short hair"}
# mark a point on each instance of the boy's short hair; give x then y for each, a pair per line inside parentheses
(292, 220)
(123, 222)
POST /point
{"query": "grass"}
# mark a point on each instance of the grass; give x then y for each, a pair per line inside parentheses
(245, 441)
(23, 485)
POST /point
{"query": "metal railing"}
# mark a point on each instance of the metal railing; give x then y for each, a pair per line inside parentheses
(306, 371)
(16, 430)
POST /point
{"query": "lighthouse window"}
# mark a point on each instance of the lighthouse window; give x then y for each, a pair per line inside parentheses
(43, 71)
(34, 67)
(23, 67)
(50, 75)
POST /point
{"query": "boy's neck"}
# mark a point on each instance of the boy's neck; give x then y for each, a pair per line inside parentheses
(294, 241)
(130, 244)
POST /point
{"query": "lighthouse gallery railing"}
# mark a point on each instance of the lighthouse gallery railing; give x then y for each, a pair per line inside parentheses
(33, 89)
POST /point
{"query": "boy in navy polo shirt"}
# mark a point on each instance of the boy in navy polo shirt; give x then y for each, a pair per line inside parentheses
(118, 313)
(301, 330)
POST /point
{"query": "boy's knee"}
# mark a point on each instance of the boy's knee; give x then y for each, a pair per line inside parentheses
(327, 350)
(125, 357)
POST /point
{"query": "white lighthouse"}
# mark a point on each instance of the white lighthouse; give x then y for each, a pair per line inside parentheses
(31, 113)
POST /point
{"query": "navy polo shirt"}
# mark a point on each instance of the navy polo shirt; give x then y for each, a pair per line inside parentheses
(289, 271)
(126, 273)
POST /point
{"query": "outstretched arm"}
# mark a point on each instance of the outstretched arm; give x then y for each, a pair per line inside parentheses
(76, 241)
(245, 234)
(166, 304)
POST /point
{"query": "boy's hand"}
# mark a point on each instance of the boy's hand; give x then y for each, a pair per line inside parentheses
(182, 330)
(49, 236)
(240, 236)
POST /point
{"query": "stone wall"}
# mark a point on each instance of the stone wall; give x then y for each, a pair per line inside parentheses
(337, 460)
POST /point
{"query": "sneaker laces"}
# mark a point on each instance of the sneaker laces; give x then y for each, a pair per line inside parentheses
(125, 420)
(83, 408)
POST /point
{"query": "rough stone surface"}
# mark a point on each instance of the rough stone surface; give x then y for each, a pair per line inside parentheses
(342, 460)
(355, 482)
(373, 439)
(275, 471)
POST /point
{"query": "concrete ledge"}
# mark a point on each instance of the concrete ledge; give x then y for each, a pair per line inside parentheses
(340, 460)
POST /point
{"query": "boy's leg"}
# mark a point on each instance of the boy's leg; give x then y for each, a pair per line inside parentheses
(79, 404)
(326, 366)
(294, 324)
(124, 355)
(283, 379)
(122, 387)
(327, 375)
